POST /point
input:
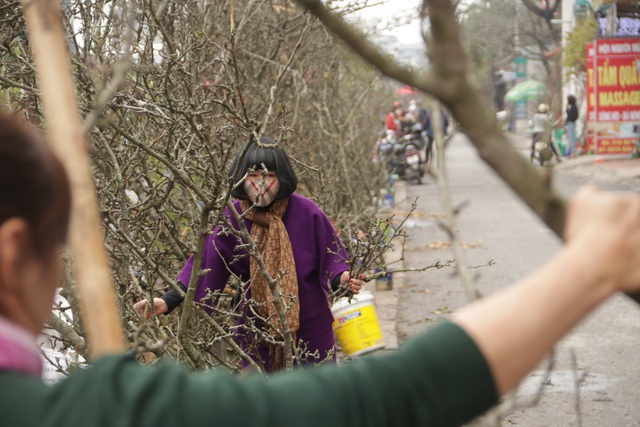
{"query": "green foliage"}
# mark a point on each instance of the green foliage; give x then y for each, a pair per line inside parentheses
(488, 35)
(496, 32)
(575, 50)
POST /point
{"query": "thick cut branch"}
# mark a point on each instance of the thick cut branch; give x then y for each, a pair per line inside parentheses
(53, 69)
(367, 50)
(451, 83)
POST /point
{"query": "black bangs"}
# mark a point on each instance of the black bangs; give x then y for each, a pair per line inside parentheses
(257, 156)
(274, 158)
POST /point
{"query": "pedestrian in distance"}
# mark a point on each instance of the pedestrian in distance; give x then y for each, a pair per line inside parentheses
(294, 236)
(392, 122)
(422, 115)
(444, 126)
(444, 377)
(570, 120)
(430, 132)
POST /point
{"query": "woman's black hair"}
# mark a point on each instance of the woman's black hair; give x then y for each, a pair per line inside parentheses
(274, 159)
(571, 99)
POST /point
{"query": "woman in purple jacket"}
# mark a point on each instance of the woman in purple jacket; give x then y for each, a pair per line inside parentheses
(293, 235)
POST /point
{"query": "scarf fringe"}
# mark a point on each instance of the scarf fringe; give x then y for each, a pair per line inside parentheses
(275, 247)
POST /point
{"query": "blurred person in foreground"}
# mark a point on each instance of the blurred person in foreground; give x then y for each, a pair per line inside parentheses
(444, 377)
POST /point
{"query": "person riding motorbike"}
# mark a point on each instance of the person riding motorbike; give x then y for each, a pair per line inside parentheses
(540, 128)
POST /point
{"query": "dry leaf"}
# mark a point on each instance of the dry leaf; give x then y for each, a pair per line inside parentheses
(440, 244)
(148, 357)
(472, 244)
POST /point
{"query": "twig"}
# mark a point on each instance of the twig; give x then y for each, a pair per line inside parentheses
(451, 84)
(119, 71)
(577, 382)
(50, 51)
(469, 287)
(281, 73)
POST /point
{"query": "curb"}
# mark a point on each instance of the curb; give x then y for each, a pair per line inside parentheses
(619, 164)
(386, 301)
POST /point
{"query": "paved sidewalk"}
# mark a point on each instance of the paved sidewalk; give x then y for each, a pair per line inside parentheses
(386, 301)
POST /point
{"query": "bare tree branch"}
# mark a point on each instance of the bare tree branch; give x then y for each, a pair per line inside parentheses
(547, 12)
(368, 51)
(450, 83)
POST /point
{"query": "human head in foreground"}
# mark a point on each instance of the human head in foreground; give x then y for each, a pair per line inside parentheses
(34, 216)
(444, 377)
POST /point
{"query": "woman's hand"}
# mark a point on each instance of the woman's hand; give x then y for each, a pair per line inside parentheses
(159, 307)
(354, 284)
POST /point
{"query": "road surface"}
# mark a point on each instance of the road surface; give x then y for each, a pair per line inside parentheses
(597, 368)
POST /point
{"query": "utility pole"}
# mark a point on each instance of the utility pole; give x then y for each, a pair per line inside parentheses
(612, 25)
(568, 22)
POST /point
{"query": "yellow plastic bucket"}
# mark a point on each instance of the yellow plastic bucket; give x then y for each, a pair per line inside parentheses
(356, 325)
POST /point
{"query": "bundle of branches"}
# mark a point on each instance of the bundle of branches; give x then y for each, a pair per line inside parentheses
(169, 93)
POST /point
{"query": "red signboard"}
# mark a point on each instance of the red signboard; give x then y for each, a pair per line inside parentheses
(613, 95)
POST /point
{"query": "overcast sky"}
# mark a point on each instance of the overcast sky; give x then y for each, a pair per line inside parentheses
(397, 11)
(389, 11)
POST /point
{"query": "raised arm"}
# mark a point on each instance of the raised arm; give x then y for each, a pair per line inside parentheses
(444, 377)
(517, 327)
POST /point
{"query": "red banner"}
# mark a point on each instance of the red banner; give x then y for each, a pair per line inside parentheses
(592, 116)
(613, 95)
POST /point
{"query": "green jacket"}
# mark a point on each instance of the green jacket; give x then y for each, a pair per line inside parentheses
(438, 379)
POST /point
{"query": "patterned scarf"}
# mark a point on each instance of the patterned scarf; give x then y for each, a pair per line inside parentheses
(274, 245)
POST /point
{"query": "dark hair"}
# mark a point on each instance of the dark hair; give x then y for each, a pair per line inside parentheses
(33, 184)
(571, 99)
(274, 159)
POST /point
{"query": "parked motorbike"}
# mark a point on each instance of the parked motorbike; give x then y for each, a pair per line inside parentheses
(402, 157)
(418, 138)
(542, 151)
(410, 168)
